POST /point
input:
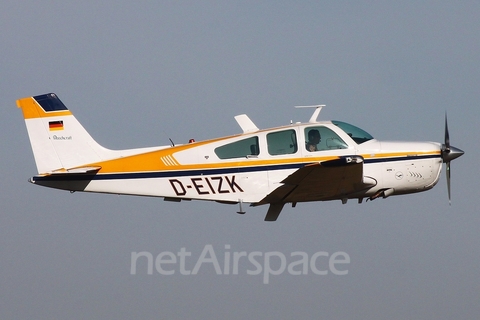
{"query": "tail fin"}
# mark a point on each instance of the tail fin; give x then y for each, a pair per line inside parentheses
(58, 140)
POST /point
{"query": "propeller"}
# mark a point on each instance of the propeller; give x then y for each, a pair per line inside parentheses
(449, 153)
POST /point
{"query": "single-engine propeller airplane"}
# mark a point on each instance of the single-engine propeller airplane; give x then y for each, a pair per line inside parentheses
(300, 162)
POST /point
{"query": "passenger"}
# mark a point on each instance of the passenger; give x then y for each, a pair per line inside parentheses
(313, 140)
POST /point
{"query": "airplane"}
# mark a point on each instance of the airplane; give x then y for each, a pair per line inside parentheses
(298, 162)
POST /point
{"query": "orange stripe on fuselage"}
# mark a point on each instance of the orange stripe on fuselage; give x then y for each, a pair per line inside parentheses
(152, 161)
(399, 154)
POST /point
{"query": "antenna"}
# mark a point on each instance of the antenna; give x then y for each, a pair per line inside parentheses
(171, 141)
(316, 112)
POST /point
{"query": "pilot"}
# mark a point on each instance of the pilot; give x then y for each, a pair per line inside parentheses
(313, 140)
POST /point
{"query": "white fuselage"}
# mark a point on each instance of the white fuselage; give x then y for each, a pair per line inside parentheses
(198, 171)
(314, 161)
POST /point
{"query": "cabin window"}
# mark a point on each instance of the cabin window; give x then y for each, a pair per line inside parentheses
(239, 149)
(282, 142)
(320, 138)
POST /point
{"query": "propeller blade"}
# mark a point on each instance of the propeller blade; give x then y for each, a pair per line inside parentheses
(447, 136)
(448, 182)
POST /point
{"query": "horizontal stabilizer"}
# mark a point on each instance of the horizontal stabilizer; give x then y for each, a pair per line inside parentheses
(77, 170)
(76, 179)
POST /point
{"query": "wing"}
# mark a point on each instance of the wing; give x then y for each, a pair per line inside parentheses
(326, 180)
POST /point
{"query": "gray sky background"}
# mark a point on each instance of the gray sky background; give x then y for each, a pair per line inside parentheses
(138, 73)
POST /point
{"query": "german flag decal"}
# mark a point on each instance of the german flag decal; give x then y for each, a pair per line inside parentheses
(55, 125)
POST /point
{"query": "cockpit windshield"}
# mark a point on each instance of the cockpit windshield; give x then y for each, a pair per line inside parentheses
(358, 135)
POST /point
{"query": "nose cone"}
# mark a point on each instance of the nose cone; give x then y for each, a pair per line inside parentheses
(451, 153)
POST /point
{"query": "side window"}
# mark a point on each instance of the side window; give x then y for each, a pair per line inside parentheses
(239, 149)
(282, 142)
(321, 138)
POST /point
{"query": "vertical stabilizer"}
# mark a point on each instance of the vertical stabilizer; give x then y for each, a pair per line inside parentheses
(58, 140)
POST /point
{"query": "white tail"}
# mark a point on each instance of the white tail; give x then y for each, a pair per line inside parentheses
(59, 142)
